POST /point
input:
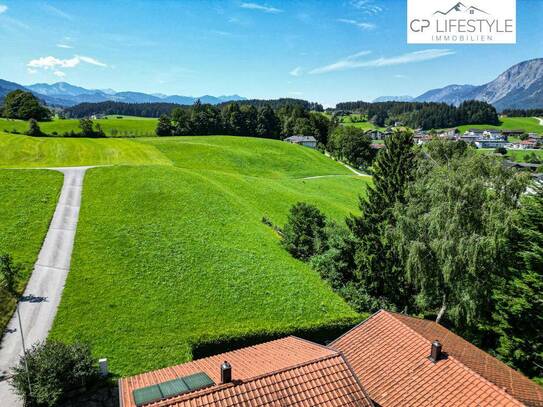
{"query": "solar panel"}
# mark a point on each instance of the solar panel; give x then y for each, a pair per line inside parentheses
(171, 388)
(147, 395)
(198, 381)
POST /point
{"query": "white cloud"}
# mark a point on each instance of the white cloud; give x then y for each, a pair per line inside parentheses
(91, 61)
(59, 74)
(3, 8)
(353, 62)
(360, 24)
(367, 6)
(56, 11)
(54, 63)
(31, 71)
(260, 7)
(64, 46)
(296, 71)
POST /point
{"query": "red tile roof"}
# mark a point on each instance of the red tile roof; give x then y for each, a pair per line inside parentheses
(389, 353)
(285, 372)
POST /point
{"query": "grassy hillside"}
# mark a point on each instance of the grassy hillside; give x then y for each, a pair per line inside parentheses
(243, 155)
(529, 124)
(173, 253)
(24, 151)
(27, 203)
(113, 126)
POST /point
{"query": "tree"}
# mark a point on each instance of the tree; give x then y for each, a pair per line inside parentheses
(453, 233)
(304, 233)
(86, 127)
(19, 104)
(10, 272)
(164, 126)
(268, 124)
(54, 369)
(352, 145)
(379, 268)
(519, 309)
(33, 129)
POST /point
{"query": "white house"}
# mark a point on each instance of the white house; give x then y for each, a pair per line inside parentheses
(307, 141)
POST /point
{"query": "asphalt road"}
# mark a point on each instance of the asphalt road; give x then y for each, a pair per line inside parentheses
(41, 298)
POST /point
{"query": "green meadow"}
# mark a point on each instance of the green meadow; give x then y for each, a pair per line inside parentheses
(528, 124)
(27, 203)
(113, 126)
(171, 251)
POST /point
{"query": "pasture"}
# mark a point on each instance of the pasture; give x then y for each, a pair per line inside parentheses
(528, 124)
(171, 251)
(27, 203)
(113, 126)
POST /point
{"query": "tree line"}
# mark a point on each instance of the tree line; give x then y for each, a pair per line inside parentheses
(425, 115)
(159, 109)
(443, 233)
(242, 119)
(523, 112)
(119, 108)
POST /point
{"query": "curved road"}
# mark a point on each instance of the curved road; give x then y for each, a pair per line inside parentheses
(41, 297)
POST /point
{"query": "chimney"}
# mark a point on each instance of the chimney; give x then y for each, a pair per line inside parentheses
(435, 353)
(226, 372)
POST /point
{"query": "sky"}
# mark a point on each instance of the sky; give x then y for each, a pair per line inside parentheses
(324, 51)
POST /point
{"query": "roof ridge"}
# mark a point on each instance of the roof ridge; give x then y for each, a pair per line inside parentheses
(357, 379)
(452, 358)
(330, 345)
(222, 386)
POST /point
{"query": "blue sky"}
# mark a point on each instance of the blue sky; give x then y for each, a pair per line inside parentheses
(326, 51)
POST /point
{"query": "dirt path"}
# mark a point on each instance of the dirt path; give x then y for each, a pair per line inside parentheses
(41, 297)
(540, 120)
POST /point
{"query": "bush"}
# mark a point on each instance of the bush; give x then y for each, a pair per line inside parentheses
(501, 150)
(33, 129)
(304, 234)
(55, 369)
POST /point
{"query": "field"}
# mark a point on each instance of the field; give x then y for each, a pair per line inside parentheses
(27, 202)
(514, 155)
(529, 124)
(171, 251)
(113, 126)
(24, 151)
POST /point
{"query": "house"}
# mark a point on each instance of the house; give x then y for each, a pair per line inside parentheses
(284, 372)
(489, 143)
(388, 360)
(515, 133)
(376, 134)
(524, 144)
(308, 141)
(97, 116)
(406, 361)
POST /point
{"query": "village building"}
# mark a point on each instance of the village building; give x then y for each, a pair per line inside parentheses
(389, 360)
(307, 141)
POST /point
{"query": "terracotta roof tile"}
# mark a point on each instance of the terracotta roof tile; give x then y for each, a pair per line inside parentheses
(285, 372)
(389, 353)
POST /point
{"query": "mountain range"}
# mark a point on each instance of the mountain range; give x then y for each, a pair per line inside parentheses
(519, 87)
(64, 94)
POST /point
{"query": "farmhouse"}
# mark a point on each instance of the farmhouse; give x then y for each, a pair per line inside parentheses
(388, 360)
(489, 143)
(308, 141)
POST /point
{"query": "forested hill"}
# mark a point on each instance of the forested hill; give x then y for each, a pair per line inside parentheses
(120, 108)
(427, 115)
(279, 103)
(159, 109)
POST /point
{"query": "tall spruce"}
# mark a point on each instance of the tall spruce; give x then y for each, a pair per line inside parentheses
(519, 313)
(379, 268)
